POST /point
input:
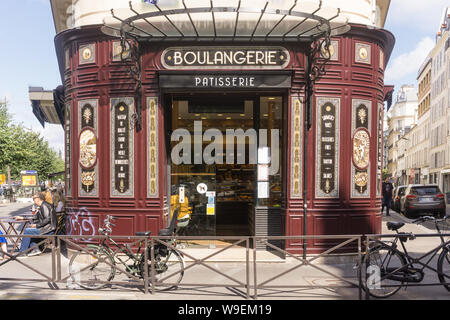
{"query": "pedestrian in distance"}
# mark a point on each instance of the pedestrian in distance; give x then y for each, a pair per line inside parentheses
(387, 196)
(44, 223)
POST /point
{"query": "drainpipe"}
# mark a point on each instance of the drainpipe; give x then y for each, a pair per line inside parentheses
(308, 122)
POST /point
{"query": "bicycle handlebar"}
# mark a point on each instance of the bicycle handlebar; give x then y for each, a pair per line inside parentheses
(426, 218)
(423, 219)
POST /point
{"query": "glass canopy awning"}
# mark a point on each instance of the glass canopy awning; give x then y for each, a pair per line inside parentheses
(227, 20)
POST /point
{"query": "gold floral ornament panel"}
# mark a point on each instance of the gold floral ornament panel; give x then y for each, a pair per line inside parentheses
(88, 180)
(361, 149)
(361, 128)
(152, 145)
(88, 148)
(361, 180)
(296, 149)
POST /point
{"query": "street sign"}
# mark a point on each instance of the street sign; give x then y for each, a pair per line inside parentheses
(2, 178)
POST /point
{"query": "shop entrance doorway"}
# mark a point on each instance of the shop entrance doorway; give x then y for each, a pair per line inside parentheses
(217, 143)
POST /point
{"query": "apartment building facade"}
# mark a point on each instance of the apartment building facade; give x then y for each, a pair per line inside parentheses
(427, 144)
(401, 118)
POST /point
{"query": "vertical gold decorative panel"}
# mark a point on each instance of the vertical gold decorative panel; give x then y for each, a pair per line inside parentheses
(122, 148)
(381, 59)
(68, 152)
(327, 147)
(87, 138)
(361, 132)
(296, 148)
(380, 149)
(152, 147)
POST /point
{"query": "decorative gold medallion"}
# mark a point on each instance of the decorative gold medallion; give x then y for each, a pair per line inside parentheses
(87, 178)
(363, 54)
(88, 148)
(361, 148)
(361, 179)
(87, 54)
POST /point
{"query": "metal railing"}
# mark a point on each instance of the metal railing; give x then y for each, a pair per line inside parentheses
(344, 240)
(251, 278)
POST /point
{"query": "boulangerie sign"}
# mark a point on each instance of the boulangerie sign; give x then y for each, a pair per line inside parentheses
(225, 58)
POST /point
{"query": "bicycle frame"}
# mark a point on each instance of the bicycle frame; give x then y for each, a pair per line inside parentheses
(410, 261)
(132, 269)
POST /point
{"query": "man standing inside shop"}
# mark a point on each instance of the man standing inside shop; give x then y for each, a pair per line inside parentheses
(387, 196)
(44, 223)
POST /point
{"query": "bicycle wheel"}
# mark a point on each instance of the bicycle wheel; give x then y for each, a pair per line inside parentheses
(444, 268)
(385, 260)
(169, 270)
(88, 271)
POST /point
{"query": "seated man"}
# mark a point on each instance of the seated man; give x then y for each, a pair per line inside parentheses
(44, 223)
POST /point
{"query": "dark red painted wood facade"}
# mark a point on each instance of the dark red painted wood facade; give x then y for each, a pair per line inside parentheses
(104, 79)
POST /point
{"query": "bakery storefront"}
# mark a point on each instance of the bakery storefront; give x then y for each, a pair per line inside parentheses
(232, 115)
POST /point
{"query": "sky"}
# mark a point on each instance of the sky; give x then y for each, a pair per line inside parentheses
(28, 54)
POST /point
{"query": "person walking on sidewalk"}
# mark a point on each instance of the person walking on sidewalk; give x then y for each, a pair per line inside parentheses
(387, 196)
(44, 223)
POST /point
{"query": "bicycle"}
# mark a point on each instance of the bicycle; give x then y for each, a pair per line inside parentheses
(97, 265)
(397, 268)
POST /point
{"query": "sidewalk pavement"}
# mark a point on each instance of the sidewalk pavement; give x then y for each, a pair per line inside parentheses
(215, 286)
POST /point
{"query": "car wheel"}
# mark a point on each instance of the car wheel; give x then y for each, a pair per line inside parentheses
(407, 214)
(441, 214)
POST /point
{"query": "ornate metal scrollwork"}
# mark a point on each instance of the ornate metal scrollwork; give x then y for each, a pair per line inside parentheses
(318, 56)
(130, 55)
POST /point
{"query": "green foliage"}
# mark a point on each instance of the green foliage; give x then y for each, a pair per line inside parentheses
(24, 150)
(385, 174)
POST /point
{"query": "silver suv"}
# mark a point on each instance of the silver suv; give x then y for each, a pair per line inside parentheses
(420, 199)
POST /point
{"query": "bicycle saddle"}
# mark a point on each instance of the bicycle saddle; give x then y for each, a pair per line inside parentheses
(395, 225)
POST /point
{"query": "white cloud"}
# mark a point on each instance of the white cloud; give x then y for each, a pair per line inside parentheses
(408, 64)
(54, 134)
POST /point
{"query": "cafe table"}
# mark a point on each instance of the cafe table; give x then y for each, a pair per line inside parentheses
(11, 226)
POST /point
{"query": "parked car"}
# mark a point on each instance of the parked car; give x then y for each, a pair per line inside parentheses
(420, 199)
(399, 192)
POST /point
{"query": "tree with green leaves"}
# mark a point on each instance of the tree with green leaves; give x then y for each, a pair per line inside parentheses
(24, 150)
